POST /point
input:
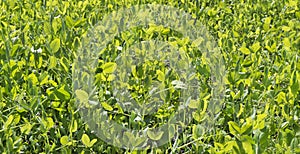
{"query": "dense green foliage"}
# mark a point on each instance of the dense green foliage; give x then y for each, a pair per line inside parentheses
(259, 40)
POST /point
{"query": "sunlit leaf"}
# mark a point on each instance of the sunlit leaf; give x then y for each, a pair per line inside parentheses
(106, 106)
(85, 140)
(64, 140)
(55, 45)
(109, 67)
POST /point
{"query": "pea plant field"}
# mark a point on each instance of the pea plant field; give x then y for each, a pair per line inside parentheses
(46, 107)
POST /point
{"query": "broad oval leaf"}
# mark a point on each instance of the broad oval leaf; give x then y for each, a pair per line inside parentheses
(64, 140)
(55, 45)
(85, 140)
(109, 67)
(82, 95)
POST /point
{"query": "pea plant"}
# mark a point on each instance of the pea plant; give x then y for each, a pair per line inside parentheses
(259, 43)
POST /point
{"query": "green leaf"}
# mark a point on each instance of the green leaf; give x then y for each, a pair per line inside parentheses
(155, 135)
(272, 48)
(82, 95)
(194, 104)
(47, 28)
(197, 42)
(64, 140)
(248, 147)
(62, 94)
(197, 131)
(14, 49)
(259, 125)
(165, 31)
(294, 84)
(286, 43)
(92, 142)
(76, 43)
(10, 144)
(241, 110)
(133, 71)
(129, 137)
(245, 50)
(261, 117)
(151, 30)
(281, 97)
(198, 116)
(26, 128)
(79, 22)
(103, 77)
(106, 106)
(52, 62)
(229, 145)
(234, 128)
(255, 47)
(64, 62)
(32, 77)
(85, 140)
(40, 61)
(109, 67)
(139, 140)
(8, 121)
(286, 28)
(260, 121)
(246, 128)
(69, 22)
(267, 23)
(55, 45)
(160, 75)
(74, 126)
(56, 24)
(50, 122)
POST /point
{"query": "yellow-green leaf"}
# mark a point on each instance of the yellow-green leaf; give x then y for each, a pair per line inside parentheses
(92, 142)
(234, 128)
(64, 62)
(85, 140)
(245, 50)
(50, 122)
(32, 77)
(160, 75)
(267, 23)
(106, 106)
(64, 140)
(109, 67)
(63, 94)
(69, 22)
(8, 121)
(255, 47)
(55, 45)
(241, 110)
(286, 28)
(74, 126)
(248, 147)
(26, 128)
(155, 135)
(52, 62)
(102, 77)
(287, 42)
(82, 95)
(194, 104)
